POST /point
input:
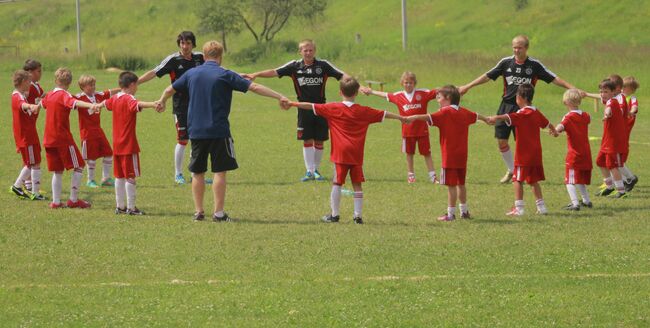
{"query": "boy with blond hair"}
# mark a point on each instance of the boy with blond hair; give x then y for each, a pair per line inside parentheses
(26, 137)
(630, 85)
(410, 102)
(348, 126)
(94, 143)
(60, 148)
(578, 163)
(453, 122)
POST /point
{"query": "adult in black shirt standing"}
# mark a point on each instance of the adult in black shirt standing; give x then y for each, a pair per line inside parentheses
(515, 70)
(176, 65)
(309, 76)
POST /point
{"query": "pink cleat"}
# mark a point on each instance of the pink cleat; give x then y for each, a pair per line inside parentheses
(514, 212)
(446, 218)
(55, 206)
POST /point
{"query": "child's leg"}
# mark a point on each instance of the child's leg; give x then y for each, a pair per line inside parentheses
(120, 193)
(130, 193)
(77, 175)
(22, 176)
(618, 180)
(607, 178)
(571, 189)
(358, 199)
(91, 169)
(409, 164)
(308, 151)
(584, 193)
(452, 196)
(107, 165)
(432, 170)
(57, 185)
(179, 153)
(539, 199)
(335, 199)
(462, 198)
(519, 196)
(36, 179)
(318, 154)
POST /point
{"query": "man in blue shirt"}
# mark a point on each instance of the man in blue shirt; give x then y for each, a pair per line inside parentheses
(210, 88)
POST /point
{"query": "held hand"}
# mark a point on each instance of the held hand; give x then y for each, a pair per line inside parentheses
(34, 109)
(365, 90)
(463, 90)
(582, 93)
(407, 119)
(250, 77)
(285, 103)
(160, 106)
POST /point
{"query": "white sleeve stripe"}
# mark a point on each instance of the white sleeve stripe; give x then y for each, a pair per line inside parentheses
(430, 120)
(500, 61)
(334, 67)
(285, 65)
(544, 67)
(164, 62)
(384, 117)
(313, 109)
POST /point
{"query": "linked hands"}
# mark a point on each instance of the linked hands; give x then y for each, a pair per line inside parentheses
(365, 90)
(251, 77)
(160, 106)
(285, 103)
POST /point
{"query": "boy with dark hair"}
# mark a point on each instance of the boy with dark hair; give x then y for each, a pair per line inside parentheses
(348, 124)
(528, 164)
(453, 122)
(630, 85)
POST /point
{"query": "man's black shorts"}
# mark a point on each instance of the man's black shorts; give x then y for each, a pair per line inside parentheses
(501, 129)
(220, 150)
(311, 126)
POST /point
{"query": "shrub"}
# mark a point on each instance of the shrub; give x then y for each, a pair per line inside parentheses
(125, 62)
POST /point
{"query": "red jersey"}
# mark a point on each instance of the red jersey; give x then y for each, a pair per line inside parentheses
(576, 125)
(125, 109)
(35, 94)
(614, 130)
(453, 123)
(58, 104)
(527, 122)
(413, 104)
(90, 124)
(24, 124)
(348, 124)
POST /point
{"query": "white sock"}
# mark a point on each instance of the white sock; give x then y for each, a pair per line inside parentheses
(130, 194)
(358, 204)
(318, 157)
(57, 185)
(75, 183)
(541, 207)
(120, 193)
(219, 214)
(620, 187)
(451, 211)
(91, 170)
(585, 193)
(464, 208)
(28, 185)
(335, 199)
(107, 164)
(36, 181)
(179, 153)
(308, 154)
(22, 176)
(609, 182)
(572, 194)
(432, 176)
(507, 158)
(519, 205)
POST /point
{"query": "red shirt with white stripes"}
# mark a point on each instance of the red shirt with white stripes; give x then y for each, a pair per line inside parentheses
(413, 104)
(527, 122)
(57, 104)
(24, 123)
(125, 109)
(576, 125)
(453, 123)
(35, 94)
(614, 129)
(90, 124)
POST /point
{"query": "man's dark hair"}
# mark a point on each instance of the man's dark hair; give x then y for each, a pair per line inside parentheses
(450, 92)
(526, 91)
(127, 78)
(186, 36)
(607, 84)
(31, 64)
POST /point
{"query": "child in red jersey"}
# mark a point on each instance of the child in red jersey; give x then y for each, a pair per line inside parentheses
(26, 137)
(126, 150)
(613, 147)
(60, 148)
(529, 167)
(630, 85)
(93, 140)
(409, 102)
(348, 124)
(578, 158)
(453, 122)
(34, 96)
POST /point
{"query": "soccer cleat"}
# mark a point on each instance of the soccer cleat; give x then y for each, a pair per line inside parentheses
(119, 211)
(308, 176)
(198, 216)
(55, 206)
(602, 186)
(80, 203)
(318, 176)
(410, 179)
(433, 179)
(108, 182)
(605, 192)
(180, 179)
(446, 217)
(92, 184)
(506, 178)
(630, 185)
(542, 211)
(588, 205)
(19, 192)
(357, 220)
(37, 197)
(134, 211)
(572, 207)
(514, 212)
(224, 218)
(465, 215)
(618, 195)
(330, 219)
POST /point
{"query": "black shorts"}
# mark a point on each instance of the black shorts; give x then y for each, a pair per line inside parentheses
(181, 126)
(501, 129)
(220, 150)
(311, 126)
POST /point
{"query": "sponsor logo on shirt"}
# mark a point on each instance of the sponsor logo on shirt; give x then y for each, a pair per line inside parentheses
(318, 70)
(418, 97)
(302, 81)
(408, 107)
(516, 80)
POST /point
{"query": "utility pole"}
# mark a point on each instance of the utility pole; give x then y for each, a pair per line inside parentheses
(404, 33)
(78, 30)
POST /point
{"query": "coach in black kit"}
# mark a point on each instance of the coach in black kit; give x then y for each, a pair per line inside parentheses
(176, 65)
(516, 70)
(309, 77)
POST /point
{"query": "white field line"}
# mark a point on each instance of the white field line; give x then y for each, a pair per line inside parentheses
(343, 279)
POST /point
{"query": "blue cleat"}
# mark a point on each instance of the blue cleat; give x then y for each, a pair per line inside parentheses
(180, 179)
(308, 176)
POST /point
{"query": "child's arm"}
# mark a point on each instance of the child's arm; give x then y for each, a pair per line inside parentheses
(92, 108)
(30, 109)
(302, 105)
(552, 131)
(559, 128)
(413, 118)
(607, 112)
(114, 91)
(634, 110)
(267, 73)
(150, 104)
(496, 118)
(368, 91)
(592, 95)
(394, 116)
(483, 118)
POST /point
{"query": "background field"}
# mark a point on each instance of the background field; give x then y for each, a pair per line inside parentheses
(278, 266)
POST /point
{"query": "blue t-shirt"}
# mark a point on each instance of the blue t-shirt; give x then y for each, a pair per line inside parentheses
(209, 87)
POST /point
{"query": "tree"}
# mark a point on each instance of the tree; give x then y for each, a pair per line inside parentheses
(220, 16)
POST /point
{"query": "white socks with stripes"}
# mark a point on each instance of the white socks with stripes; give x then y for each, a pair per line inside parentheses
(130, 194)
(22, 176)
(57, 185)
(308, 152)
(77, 175)
(120, 193)
(36, 181)
(573, 194)
(358, 203)
(91, 169)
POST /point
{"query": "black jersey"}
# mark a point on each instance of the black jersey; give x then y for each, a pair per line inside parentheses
(515, 74)
(309, 80)
(176, 65)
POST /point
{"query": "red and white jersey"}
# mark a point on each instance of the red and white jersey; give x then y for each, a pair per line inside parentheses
(576, 125)
(35, 94)
(125, 111)
(24, 123)
(527, 122)
(57, 104)
(414, 103)
(348, 124)
(90, 124)
(632, 102)
(453, 123)
(614, 129)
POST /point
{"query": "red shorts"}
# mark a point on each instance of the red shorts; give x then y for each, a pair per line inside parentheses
(610, 160)
(93, 149)
(64, 158)
(126, 166)
(452, 177)
(424, 146)
(341, 171)
(577, 176)
(528, 174)
(31, 154)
